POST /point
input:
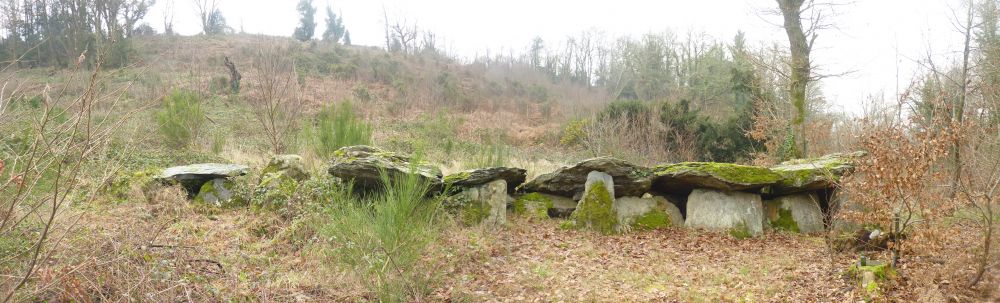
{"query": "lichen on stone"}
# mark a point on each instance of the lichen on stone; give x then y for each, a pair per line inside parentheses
(595, 210)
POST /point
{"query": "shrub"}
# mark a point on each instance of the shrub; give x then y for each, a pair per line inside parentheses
(574, 132)
(339, 127)
(181, 117)
(362, 93)
(274, 100)
(219, 85)
(383, 237)
(633, 110)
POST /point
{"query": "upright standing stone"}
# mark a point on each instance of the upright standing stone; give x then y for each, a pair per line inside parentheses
(795, 213)
(486, 204)
(596, 210)
(725, 210)
(647, 213)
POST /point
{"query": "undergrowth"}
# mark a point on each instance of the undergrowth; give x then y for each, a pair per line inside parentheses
(382, 236)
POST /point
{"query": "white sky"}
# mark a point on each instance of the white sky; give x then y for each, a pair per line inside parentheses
(874, 40)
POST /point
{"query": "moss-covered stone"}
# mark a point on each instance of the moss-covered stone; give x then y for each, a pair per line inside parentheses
(799, 213)
(800, 175)
(475, 177)
(568, 181)
(127, 184)
(289, 165)
(273, 192)
(456, 177)
(193, 177)
(652, 220)
(880, 273)
(653, 212)
(363, 167)
(473, 213)
(533, 205)
(486, 204)
(683, 177)
(784, 221)
(215, 192)
(596, 211)
(568, 224)
(740, 231)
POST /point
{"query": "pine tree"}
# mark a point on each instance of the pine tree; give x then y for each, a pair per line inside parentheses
(307, 21)
(335, 30)
(347, 38)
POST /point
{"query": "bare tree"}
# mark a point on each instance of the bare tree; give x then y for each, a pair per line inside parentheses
(385, 27)
(38, 180)
(958, 109)
(273, 98)
(205, 9)
(404, 35)
(981, 195)
(133, 11)
(168, 18)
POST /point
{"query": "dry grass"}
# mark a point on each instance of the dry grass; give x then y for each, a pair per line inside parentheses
(168, 249)
(537, 262)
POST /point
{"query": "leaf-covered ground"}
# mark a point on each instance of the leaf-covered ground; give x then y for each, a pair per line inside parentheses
(538, 262)
(170, 250)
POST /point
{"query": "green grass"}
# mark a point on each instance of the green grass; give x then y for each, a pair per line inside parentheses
(181, 117)
(382, 236)
(336, 127)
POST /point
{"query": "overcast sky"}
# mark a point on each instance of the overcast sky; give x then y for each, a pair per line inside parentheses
(877, 41)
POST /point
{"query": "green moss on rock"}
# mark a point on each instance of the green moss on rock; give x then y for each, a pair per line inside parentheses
(784, 220)
(655, 219)
(882, 273)
(814, 173)
(595, 210)
(568, 224)
(534, 205)
(735, 173)
(215, 192)
(474, 212)
(456, 177)
(740, 232)
(121, 188)
(274, 192)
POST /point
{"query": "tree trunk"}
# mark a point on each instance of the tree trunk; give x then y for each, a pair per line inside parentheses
(799, 47)
(234, 76)
(957, 114)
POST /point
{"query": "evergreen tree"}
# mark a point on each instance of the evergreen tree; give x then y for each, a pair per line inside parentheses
(216, 24)
(307, 21)
(347, 38)
(335, 30)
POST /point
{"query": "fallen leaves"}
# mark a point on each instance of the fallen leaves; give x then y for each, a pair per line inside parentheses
(546, 264)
